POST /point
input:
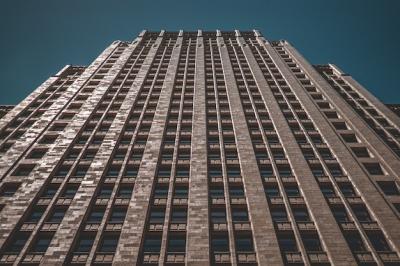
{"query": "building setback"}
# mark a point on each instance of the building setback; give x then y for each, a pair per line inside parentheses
(200, 148)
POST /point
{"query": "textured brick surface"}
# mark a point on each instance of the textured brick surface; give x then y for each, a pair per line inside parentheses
(34, 182)
(247, 82)
(265, 241)
(132, 231)
(198, 229)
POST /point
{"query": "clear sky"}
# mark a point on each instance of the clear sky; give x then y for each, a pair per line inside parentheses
(39, 37)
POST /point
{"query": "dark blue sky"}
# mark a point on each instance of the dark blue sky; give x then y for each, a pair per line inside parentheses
(39, 37)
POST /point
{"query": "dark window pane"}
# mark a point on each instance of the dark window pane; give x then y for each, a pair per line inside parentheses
(362, 214)
(244, 243)
(152, 244)
(109, 243)
(117, 216)
(340, 215)
(96, 216)
(311, 243)
(35, 216)
(240, 216)
(287, 243)
(218, 216)
(301, 215)
(176, 244)
(85, 243)
(355, 242)
(42, 243)
(279, 215)
(105, 192)
(220, 243)
(57, 216)
(157, 216)
(17, 243)
(179, 216)
(378, 241)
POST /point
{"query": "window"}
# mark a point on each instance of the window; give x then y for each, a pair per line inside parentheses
(347, 190)
(131, 172)
(340, 125)
(89, 154)
(272, 191)
(231, 155)
(176, 243)
(287, 243)
(23, 170)
(81, 171)
(57, 216)
(113, 171)
(349, 138)
(48, 139)
(109, 243)
(9, 189)
(152, 244)
(236, 192)
(311, 242)
(390, 188)
(355, 242)
(216, 192)
(182, 172)
(361, 152)
(105, 192)
(181, 192)
(96, 216)
(284, 171)
(317, 140)
(220, 243)
(244, 243)
(215, 173)
(17, 243)
(278, 154)
(266, 172)
(301, 215)
(340, 215)
(161, 192)
(328, 191)
(117, 216)
(378, 241)
(233, 172)
(179, 216)
(164, 173)
(279, 215)
(125, 192)
(73, 154)
(49, 192)
(157, 216)
(335, 170)
(41, 244)
(318, 171)
(218, 216)
(69, 192)
(62, 171)
(325, 154)
(292, 191)
(362, 214)
(35, 215)
(37, 153)
(308, 154)
(240, 215)
(373, 168)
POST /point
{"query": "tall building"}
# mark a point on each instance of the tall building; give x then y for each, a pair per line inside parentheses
(200, 148)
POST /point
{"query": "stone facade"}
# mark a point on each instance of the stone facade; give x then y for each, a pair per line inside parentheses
(200, 148)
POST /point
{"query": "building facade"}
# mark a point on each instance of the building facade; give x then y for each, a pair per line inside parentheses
(200, 148)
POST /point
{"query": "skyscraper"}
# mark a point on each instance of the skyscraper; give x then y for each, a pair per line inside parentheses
(200, 148)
